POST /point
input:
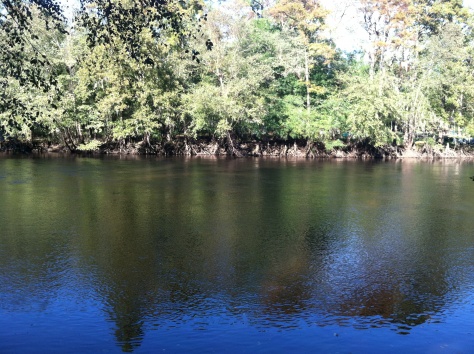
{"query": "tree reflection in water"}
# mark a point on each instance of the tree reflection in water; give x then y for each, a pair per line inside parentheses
(270, 244)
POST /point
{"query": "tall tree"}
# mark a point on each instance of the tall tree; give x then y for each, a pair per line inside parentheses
(126, 20)
(306, 18)
(22, 58)
(229, 96)
(29, 70)
(387, 23)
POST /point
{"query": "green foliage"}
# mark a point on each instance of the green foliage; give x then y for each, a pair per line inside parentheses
(126, 22)
(133, 71)
(92, 145)
(373, 105)
(29, 32)
(331, 145)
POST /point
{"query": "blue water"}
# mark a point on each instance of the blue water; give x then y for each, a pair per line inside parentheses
(248, 255)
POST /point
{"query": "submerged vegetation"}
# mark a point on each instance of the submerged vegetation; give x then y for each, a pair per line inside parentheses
(236, 78)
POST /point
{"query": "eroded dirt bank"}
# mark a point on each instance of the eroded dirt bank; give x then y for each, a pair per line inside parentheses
(184, 147)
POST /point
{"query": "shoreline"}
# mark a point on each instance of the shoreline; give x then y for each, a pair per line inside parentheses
(291, 149)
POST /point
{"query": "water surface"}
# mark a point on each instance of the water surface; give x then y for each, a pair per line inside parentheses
(247, 255)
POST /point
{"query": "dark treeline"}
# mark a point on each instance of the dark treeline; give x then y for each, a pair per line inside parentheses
(236, 77)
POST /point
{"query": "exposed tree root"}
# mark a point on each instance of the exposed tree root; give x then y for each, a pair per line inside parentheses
(229, 146)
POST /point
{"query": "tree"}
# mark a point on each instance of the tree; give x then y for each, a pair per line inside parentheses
(447, 61)
(23, 59)
(432, 15)
(306, 18)
(402, 66)
(229, 96)
(308, 117)
(29, 69)
(387, 23)
(109, 23)
(123, 99)
(125, 21)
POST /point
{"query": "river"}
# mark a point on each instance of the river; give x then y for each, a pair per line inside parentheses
(249, 255)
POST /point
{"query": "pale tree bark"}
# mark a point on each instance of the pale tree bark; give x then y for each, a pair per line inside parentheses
(307, 82)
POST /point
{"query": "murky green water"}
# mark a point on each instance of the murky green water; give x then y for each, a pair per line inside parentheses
(248, 255)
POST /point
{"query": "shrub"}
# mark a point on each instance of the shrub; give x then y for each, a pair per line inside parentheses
(333, 145)
(92, 145)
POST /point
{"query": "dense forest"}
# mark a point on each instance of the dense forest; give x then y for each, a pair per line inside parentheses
(236, 77)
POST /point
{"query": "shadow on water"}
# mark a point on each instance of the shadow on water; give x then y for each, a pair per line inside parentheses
(201, 244)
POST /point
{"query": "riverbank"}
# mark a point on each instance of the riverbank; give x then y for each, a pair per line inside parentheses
(301, 149)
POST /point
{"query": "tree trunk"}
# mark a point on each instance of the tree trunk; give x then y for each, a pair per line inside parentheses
(67, 137)
(79, 133)
(231, 146)
(309, 148)
(306, 76)
(146, 140)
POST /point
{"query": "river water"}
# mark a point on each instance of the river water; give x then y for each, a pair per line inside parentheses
(235, 255)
